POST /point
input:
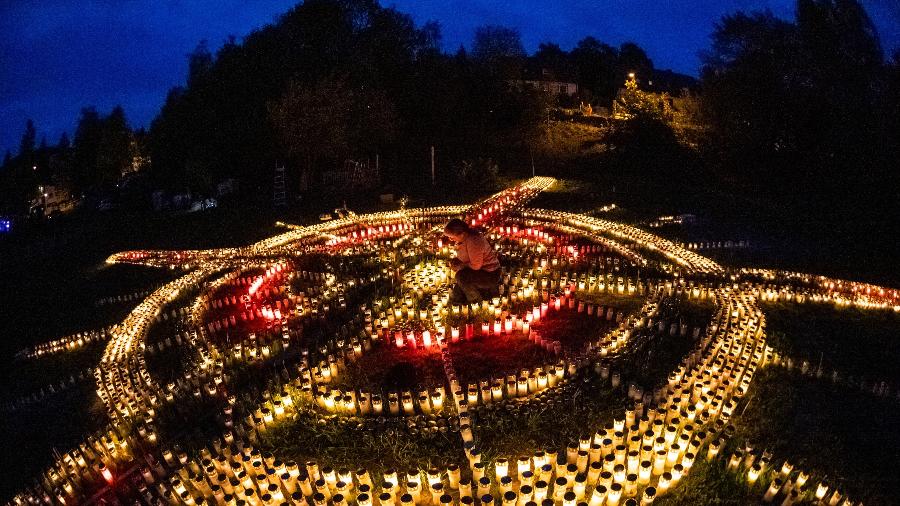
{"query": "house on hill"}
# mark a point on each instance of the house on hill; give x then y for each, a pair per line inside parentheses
(544, 79)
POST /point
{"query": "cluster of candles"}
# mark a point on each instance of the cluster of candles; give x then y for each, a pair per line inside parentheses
(256, 290)
(499, 204)
(65, 344)
(798, 287)
(123, 382)
(689, 260)
(638, 457)
(632, 459)
(123, 298)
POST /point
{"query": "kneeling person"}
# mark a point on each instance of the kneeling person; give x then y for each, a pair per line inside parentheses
(476, 265)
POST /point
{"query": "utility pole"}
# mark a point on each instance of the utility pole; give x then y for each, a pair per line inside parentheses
(432, 165)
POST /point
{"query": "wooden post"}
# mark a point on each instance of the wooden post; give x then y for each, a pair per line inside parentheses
(531, 152)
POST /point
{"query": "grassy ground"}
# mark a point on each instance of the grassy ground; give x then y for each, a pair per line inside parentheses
(574, 330)
(55, 274)
(710, 484)
(861, 343)
(387, 368)
(589, 402)
(32, 435)
(345, 444)
(522, 430)
(851, 438)
(496, 356)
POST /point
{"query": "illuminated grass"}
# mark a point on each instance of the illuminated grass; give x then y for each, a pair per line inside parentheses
(375, 445)
(709, 484)
(550, 425)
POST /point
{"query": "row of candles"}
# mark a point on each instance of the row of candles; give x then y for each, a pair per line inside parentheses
(838, 291)
(682, 256)
(68, 343)
(112, 299)
(123, 383)
(878, 387)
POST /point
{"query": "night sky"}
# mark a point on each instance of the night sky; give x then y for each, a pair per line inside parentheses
(57, 56)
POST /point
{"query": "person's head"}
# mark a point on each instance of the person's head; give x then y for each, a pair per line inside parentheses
(456, 229)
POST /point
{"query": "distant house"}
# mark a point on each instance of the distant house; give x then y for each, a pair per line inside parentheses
(546, 80)
(53, 199)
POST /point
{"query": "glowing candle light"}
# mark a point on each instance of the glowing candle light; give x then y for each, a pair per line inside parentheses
(107, 474)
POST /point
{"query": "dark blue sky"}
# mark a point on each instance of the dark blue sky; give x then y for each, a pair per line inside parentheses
(57, 56)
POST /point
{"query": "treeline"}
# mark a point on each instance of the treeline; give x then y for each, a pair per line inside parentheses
(335, 80)
(807, 110)
(103, 149)
(804, 109)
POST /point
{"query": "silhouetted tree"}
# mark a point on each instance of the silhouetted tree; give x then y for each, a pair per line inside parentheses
(26, 145)
(200, 62)
(633, 59)
(595, 65)
(797, 103)
(500, 49)
(114, 151)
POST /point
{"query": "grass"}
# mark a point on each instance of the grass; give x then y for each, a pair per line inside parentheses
(653, 355)
(30, 375)
(852, 439)
(574, 330)
(711, 484)
(551, 424)
(496, 356)
(31, 435)
(861, 343)
(387, 368)
(374, 446)
(625, 303)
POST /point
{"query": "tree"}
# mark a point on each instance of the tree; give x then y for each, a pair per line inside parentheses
(640, 106)
(200, 63)
(552, 57)
(633, 60)
(64, 142)
(500, 49)
(311, 123)
(595, 64)
(26, 146)
(322, 125)
(114, 151)
(797, 103)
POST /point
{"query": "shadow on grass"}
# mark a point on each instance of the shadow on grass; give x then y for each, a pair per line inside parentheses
(851, 438)
(31, 436)
(861, 343)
